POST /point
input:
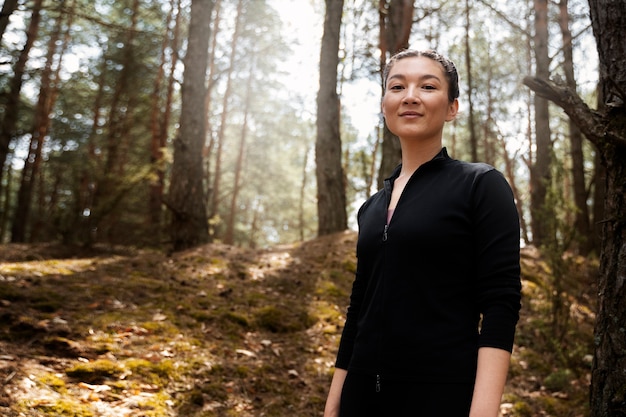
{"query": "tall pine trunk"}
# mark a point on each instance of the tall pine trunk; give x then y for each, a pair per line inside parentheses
(221, 134)
(8, 122)
(540, 172)
(331, 193)
(39, 131)
(395, 21)
(186, 198)
(581, 222)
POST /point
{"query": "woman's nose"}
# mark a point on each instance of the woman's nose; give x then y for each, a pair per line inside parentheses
(411, 95)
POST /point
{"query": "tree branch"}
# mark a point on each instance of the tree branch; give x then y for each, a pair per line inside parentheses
(593, 124)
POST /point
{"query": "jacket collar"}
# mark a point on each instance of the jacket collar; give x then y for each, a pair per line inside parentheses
(441, 156)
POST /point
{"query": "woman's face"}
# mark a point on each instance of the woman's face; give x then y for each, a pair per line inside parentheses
(415, 104)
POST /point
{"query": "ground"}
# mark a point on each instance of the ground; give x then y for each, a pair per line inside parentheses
(225, 331)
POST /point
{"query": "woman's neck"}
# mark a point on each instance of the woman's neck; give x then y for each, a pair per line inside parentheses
(416, 154)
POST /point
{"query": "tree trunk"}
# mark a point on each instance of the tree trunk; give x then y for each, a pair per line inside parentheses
(229, 238)
(608, 381)
(8, 8)
(606, 128)
(396, 21)
(8, 123)
(470, 88)
(158, 136)
(210, 142)
(331, 192)
(540, 173)
(41, 124)
(581, 222)
(186, 198)
(110, 190)
(217, 176)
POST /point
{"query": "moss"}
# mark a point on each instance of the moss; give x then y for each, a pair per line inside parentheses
(329, 289)
(559, 380)
(154, 406)
(522, 409)
(236, 318)
(53, 381)
(95, 371)
(280, 319)
(64, 408)
(155, 373)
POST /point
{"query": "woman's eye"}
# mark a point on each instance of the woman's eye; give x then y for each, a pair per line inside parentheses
(429, 87)
(395, 87)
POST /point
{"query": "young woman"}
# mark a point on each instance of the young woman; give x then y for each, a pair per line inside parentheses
(436, 296)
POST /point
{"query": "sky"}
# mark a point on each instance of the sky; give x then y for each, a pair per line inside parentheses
(303, 23)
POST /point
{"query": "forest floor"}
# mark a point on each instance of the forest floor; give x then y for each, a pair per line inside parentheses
(224, 331)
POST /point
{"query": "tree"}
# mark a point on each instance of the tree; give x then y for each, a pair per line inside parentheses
(186, 198)
(331, 193)
(540, 171)
(47, 96)
(8, 8)
(396, 21)
(581, 222)
(9, 121)
(605, 127)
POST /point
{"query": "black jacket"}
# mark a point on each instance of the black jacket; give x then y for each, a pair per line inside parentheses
(440, 280)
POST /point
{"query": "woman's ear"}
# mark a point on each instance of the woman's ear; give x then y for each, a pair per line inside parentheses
(453, 110)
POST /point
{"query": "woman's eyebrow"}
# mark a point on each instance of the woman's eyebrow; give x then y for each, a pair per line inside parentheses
(422, 77)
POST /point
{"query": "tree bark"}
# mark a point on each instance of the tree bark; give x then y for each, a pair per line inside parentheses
(229, 237)
(186, 199)
(41, 125)
(158, 136)
(331, 193)
(540, 171)
(606, 128)
(396, 21)
(470, 88)
(8, 8)
(581, 220)
(219, 143)
(8, 123)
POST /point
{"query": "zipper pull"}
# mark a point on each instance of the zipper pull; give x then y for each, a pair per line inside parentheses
(377, 383)
(385, 233)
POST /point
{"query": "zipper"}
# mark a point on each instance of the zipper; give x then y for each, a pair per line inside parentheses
(377, 383)
(385, 232)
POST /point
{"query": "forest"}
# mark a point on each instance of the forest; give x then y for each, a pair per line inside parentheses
(223, 148)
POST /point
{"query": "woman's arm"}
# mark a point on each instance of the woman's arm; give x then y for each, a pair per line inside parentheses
(491, 373)
(334, 394)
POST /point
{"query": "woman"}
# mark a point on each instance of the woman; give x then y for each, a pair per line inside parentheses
(436, 296)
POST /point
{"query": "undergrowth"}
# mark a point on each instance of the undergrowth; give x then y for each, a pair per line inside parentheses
(221, 331)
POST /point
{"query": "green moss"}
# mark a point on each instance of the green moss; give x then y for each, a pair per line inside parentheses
(155, 406)
(156, 373)
(64, 408)
(53, 381)
(279, 319)
(329, 289)
(95, 371)
(521, 409)
(236, 318)
(559, 380)
(326, 312)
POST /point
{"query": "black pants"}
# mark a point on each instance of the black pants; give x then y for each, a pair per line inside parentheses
(360, 398)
